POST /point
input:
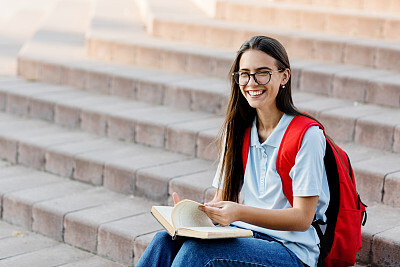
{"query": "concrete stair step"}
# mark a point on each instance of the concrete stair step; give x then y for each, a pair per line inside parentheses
(338, 80)
(188, 132)
(159, 87)
(316, 107)
(353, 83)
(71, 76)
(117, 165)
(380, 237)
(66, 64)
(376, 173)
(91, 218)
(20, 247)
(196, 28)
(345, 120)
(86, 155)
(128, 43)
(307, 18)
(119, 227)
(153, 182)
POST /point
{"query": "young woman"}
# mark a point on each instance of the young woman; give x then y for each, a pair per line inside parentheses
(253, 198)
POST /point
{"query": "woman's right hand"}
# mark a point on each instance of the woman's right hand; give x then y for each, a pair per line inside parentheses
(223, 212)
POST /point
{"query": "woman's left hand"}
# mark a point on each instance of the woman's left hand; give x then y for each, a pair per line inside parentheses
(222, 212)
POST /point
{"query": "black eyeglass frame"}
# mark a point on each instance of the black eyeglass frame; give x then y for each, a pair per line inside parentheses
(254, 76)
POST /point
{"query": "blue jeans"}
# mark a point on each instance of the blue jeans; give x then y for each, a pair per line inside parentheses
(259, 251)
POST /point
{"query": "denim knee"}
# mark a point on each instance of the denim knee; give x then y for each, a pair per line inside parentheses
(160, 252)
(161, 237)
(193, 251)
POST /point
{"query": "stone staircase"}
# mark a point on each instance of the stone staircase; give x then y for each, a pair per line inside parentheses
(117, 104)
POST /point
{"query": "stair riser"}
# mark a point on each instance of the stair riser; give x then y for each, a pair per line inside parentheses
(358, 128)
(196, 186)
(300, 47)
(72, 212)
(155, 183)
(391, 189)
(130, 87)
(385, 249)
(163, 136)
(396, 144)
(116, 246)
(379, 237)
(141, 244)
(318, 21)
(364, 89)
(377, 179)
(362, 132)
(122, 177)
(120, 245)
(99, 168)
(9, 149)
(158, 57)
(379, 250)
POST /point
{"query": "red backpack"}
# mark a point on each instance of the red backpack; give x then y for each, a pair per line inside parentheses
(345, 214)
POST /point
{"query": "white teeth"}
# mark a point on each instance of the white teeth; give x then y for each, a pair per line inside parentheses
(255, 93)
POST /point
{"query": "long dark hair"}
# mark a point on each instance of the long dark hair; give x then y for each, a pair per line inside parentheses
(240, 115)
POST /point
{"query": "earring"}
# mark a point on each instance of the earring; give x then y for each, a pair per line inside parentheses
(283, 86)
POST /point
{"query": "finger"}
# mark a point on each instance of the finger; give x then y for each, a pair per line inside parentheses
(217, 215)
(214, 205)
(175, 197)
(213, 213)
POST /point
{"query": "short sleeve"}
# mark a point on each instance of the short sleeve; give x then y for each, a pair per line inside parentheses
(309, 168)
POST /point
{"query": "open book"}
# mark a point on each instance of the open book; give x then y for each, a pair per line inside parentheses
(185, 219)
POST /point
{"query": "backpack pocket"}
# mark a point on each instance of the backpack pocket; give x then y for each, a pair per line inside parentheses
(347, 240)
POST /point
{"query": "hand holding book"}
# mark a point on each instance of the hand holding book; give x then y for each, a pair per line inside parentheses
(223, 212)
(187, 219)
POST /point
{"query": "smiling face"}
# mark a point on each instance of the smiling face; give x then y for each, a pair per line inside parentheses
(261, 97)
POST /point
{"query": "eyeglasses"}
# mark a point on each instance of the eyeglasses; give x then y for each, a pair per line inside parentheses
(261, 77)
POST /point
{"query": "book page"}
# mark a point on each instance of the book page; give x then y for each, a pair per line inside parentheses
(163, 215)
(187, 214)
(166, 212)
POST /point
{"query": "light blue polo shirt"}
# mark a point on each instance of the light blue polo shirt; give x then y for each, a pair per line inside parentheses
(262, 186)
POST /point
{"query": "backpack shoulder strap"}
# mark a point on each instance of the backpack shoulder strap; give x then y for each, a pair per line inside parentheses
(288, 149)
(290, 145)
(245, 148)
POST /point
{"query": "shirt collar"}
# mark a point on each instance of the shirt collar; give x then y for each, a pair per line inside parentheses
(276, 136)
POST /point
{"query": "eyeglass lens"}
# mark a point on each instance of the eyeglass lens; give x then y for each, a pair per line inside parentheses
(243, 78)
